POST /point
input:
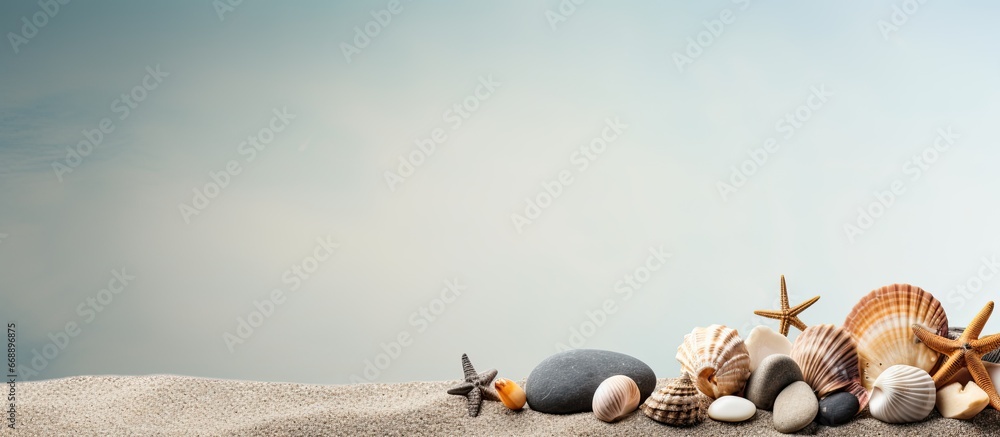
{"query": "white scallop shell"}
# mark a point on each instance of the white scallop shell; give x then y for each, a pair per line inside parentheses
(763, 342)
(616, 397)
(902, 394)
(717, 359)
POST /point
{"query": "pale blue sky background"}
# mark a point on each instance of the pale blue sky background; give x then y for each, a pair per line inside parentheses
(654, 186)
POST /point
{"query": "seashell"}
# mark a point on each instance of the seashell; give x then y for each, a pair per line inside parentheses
(717, 359)
(881, 325)
(511, 394)
(903, 394)
(762, 342)
(828, 358)
(677, 404)
(616, 397)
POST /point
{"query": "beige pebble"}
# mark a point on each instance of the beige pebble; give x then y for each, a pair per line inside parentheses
(957, 402)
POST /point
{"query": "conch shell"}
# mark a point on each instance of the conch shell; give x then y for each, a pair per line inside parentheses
(677, 404)
(718, 360)
(903, 394)
(615, 398)
(511, 394)
(828, 358)
(881, 325)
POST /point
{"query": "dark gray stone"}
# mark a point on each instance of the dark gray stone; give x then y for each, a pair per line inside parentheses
(955, 332)
(772, 375)
(837, 409)
(565, 382)
(795, 408)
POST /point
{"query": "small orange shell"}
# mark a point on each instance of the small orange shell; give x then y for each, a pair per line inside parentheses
(511, 394)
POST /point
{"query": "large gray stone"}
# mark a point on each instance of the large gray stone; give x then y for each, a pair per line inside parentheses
(795, 408)
(565, 383)
(772, 375)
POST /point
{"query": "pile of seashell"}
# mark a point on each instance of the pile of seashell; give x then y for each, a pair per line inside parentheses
(829, 375)
(873, 361)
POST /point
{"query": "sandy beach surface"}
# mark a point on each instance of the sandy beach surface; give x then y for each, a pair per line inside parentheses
(164, 405)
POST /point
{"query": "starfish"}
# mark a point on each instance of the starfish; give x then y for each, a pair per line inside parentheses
(787, 316)
(965, 351)
(476, 387)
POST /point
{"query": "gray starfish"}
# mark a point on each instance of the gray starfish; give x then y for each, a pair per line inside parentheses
(476, 387)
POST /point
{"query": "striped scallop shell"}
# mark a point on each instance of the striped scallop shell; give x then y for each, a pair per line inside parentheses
(718, 360)
(677, 404)
(616, 397)
(828, 358)
(881, 324)
(903, 394)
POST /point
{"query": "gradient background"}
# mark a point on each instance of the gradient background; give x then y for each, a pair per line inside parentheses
(526, 292)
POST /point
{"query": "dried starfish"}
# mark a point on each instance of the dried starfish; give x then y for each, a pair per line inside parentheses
(476, 386)
(787, 316)
(965, 351)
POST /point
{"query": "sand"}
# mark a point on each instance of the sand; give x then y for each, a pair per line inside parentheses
(165, 405)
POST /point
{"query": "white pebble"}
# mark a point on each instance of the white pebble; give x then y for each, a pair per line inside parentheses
(731, 409)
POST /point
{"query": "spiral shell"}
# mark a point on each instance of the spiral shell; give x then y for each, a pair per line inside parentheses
(717, 358)
(511, 394)
(903, 394)
(829, 361)
(677, 404)
(615, 398)
(881, 325)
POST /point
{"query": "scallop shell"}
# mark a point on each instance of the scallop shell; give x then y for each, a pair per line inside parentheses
(616, 397)
(828, 358)
(510, 393)
(718, 360)
(881, 325)
(677, 404)
(903, 394)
